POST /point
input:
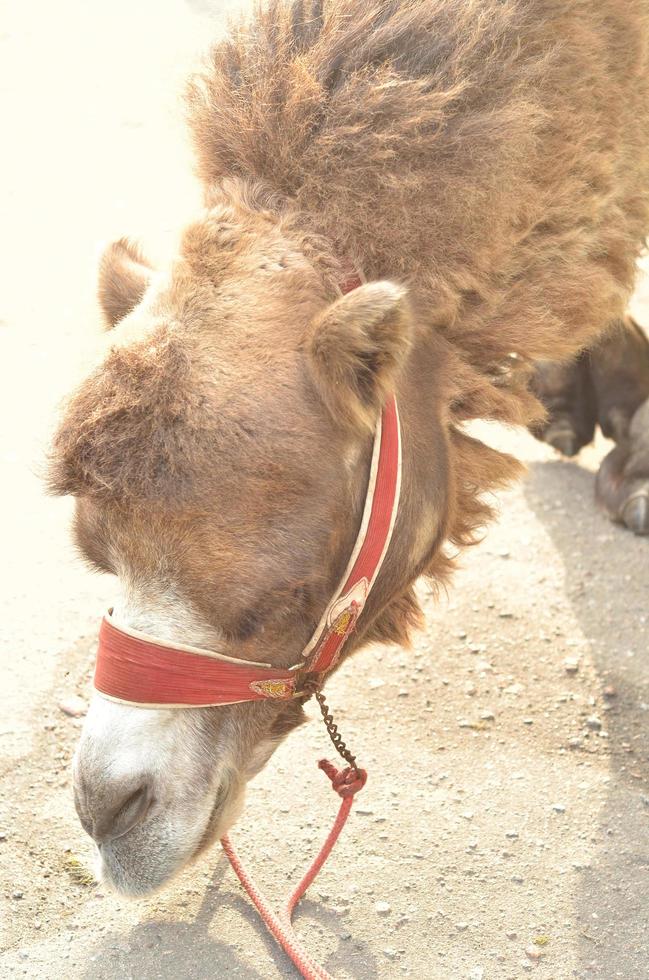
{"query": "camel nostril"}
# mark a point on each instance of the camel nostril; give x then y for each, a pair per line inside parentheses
(127, 813)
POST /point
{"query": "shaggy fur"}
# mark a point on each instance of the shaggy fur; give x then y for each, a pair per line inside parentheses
(491, 156)
(491, 153)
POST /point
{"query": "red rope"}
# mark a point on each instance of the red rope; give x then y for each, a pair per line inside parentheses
(346, 782)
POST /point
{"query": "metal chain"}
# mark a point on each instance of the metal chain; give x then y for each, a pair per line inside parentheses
(334, 734)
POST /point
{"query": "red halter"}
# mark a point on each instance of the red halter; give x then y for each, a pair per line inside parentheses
(138, 669)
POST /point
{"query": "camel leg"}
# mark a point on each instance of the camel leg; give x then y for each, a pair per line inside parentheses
(619, 371)
(565, 390)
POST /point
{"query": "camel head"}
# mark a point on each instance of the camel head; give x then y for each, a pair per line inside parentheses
(219, 456)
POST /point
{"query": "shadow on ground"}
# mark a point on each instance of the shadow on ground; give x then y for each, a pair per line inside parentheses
(612, 903)
(168, 949)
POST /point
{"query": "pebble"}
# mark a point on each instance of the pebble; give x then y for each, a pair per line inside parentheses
(477, 973)
(571, 665)
(528, 721)
(375, 682)
(74, 706)
(487, 716)
(461, 926)
(390, 953)
(3, 836)
(558, 808)
(17, 895)
(594, 723)
(575, 742)
(515, 689)
(382, 908)
(533, 953)
(609, 692)
(511, 935)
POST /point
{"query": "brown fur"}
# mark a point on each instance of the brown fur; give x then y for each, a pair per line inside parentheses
(491, 156)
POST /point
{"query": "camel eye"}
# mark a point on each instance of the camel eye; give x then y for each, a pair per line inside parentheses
(274, 606)
(90, 546)
(248, 625)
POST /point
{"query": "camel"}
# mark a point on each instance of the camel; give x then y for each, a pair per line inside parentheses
(419, 199)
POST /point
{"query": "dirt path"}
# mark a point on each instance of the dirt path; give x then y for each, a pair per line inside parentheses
(505, 827)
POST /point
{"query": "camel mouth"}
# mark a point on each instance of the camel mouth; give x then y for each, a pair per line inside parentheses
(216, 825)
(150, 855)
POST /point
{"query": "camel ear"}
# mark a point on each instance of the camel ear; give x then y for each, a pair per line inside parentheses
(357, 347)
(124, 274)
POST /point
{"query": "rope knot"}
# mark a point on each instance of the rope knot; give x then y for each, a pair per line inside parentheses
(346, 782)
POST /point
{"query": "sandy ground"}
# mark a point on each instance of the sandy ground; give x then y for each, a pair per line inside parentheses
(505, 826)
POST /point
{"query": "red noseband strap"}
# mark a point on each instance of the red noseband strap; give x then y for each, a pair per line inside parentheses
(132, 667)
(138, 669)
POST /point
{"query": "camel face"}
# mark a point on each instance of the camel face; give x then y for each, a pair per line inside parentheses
(219, 456)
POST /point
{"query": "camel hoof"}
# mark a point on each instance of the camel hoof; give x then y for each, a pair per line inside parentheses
(623, 495)
(635, 512)
(563, 439)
